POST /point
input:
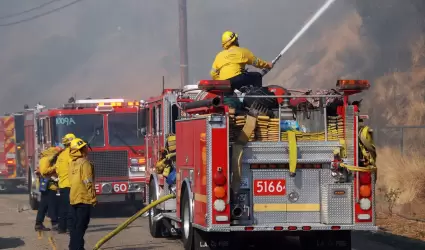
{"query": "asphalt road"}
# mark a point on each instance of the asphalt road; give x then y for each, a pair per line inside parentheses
(17, 231)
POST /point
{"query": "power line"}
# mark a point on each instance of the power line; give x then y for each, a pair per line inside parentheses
(29, 10)
(40, 15)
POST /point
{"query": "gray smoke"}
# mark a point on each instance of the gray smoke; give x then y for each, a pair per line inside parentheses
(123, 48)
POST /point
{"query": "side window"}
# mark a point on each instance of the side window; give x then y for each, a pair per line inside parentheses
(174, 117)
(154, 120)
(40, 132)
(46, 128)
(160, 126)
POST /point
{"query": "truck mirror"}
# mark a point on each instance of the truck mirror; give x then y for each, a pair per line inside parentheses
(143, 131)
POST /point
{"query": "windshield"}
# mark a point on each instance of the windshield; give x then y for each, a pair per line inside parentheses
(123, 129)
(86, 127)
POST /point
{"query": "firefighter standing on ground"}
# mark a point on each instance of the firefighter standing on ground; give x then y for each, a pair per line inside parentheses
(229, 64)
(82, 195)
(62, 169)
(48, 199)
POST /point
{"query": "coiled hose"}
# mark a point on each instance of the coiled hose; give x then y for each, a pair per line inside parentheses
(131, 220)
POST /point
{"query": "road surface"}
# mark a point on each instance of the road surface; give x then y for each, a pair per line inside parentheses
(17, 231)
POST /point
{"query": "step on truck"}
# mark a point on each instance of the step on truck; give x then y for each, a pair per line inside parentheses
(13, 168)
(112, 129)
(270, 161)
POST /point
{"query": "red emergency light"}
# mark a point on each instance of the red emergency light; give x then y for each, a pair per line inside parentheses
(352, 85)
(215, 85)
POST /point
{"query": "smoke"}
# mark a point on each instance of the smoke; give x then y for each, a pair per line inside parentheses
(382, 41)
(123, 48)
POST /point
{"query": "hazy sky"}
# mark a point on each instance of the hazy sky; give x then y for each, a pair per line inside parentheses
(122, 48)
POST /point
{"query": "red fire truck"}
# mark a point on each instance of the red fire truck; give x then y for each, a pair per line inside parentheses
(13, 170)
(316, 183)
(112, 129)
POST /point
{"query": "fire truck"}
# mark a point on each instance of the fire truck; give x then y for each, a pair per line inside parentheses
(112, 127)
(13, 170)
(304, 167)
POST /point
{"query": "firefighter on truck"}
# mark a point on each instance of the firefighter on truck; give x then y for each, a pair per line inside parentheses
(293, 162)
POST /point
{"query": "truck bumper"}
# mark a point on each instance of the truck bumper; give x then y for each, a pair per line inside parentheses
(293, 227)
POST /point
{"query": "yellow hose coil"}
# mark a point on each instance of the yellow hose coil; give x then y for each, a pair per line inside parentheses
(367, 146)
(131, 220)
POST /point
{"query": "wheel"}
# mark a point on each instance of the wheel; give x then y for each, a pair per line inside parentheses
(187, 229)
(326, 240)
(155, 227)
(33, 201)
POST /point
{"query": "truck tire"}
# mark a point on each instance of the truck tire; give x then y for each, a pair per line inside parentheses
(32, 200)
(187, 229)
(326, 240)
(155, 227)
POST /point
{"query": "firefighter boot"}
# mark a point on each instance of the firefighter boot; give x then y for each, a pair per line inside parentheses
(41, 227)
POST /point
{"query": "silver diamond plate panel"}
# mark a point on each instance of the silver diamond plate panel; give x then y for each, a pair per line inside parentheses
(262, 218)
(349, 134)
(270, 227)
(277, 152)
(209, 171)
(300, 217)
(305, 184)
(337, 209)
(314, 227)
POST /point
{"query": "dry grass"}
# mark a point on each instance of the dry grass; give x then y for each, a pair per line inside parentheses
(403, 172)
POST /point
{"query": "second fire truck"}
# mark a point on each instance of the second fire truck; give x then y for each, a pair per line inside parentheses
(112, 127)
(303, 166)
(13, 170)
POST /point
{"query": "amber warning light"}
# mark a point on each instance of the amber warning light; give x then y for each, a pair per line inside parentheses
(356, 85)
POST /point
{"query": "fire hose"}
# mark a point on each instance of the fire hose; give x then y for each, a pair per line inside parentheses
(130, 220)
(368, 150)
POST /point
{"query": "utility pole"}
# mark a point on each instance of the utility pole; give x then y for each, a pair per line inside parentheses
(184, 64)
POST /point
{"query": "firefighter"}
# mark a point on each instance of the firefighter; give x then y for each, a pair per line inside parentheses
(229, 64)
(48, 189)
(82, 196)
(62, 163)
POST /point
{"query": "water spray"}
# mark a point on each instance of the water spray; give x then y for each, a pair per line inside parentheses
(316, 16)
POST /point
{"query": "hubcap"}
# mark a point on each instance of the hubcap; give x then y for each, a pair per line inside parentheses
(186, 223)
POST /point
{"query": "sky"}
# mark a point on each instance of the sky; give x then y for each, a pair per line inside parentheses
(110, 48)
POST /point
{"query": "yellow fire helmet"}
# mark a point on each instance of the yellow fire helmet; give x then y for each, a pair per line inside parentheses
(228, 38)
(77, 144)
(66, 140)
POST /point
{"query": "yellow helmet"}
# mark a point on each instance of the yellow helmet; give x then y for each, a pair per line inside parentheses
(228, 38)
(66, 140)
(77, 144)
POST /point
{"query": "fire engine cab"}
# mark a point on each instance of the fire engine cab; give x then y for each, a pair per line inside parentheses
(302, 165)
(112, 127)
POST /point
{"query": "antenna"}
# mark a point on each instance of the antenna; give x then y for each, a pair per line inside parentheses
(163, 84)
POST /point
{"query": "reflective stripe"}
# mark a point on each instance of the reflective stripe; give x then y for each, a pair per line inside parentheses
(86, 181)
